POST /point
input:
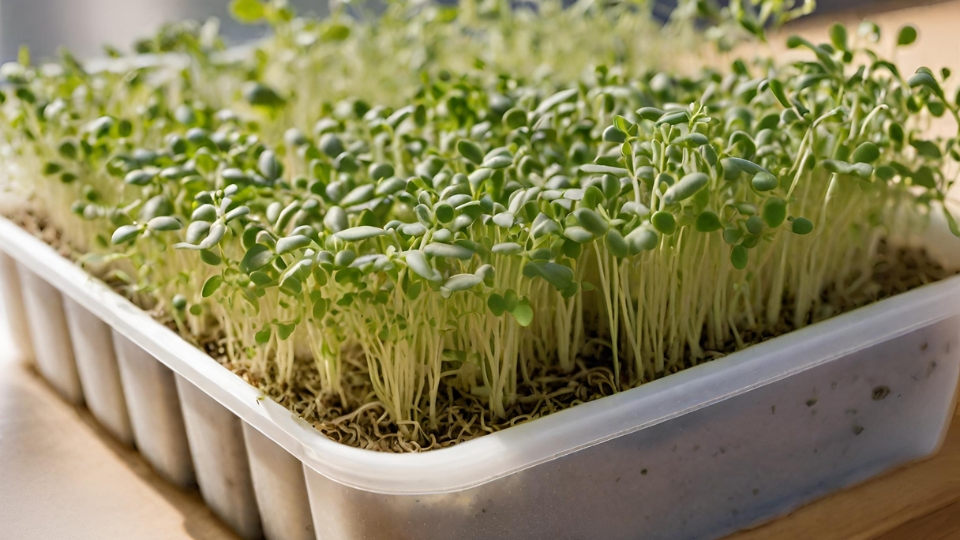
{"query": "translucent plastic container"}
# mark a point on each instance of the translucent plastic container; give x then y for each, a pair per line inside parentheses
(220, 459)
(698, 454)
(280, 489)
(16, 313)
(702, 474)
(52, 348)
(154, 406)
(98, 371)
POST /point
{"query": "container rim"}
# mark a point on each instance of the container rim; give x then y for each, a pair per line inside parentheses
(496, 455)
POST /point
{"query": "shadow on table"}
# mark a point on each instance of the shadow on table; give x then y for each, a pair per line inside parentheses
(198, 521)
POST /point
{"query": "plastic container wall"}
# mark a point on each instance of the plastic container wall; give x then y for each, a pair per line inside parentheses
(702, 475)
(97, 366)
(220, 459)
(13, 304)
(280, 489)
(51, 339)
(697, 454)
(154, 408)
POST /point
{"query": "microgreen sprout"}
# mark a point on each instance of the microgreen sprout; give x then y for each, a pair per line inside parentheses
(468, 228)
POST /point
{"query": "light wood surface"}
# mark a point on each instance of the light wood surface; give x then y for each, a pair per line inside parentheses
(62, 476)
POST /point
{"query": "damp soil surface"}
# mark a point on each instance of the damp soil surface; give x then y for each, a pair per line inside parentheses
(360, 421)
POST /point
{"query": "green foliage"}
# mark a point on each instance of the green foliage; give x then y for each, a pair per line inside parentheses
(248, 11)
(907, 35)
(343, 203)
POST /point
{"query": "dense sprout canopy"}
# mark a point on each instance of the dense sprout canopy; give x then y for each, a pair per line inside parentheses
(409, 211)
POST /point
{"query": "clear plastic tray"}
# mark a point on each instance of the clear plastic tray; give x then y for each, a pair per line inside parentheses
(698, 454)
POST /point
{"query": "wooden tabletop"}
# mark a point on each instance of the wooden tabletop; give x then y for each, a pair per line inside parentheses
(62, 476)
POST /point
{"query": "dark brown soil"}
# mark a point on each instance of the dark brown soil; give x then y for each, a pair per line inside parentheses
(362, 422)
(464, 417)
(39, 227)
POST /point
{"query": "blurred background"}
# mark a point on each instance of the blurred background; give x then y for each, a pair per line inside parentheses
(84, 25)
